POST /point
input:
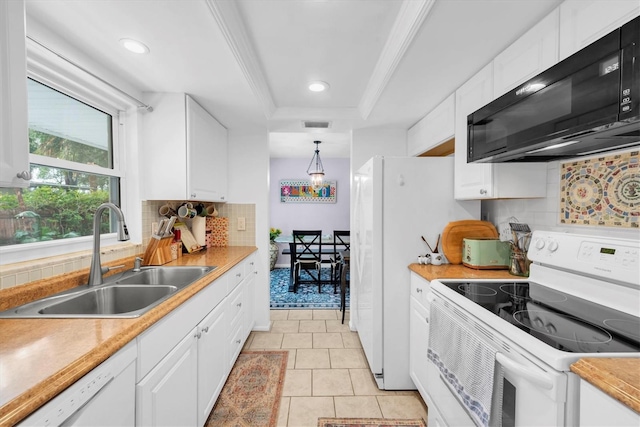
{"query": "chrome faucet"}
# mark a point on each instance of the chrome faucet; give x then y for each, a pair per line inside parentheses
(96, 270)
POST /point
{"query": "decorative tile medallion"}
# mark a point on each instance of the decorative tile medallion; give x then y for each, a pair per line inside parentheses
(300, 191)
(601, 191)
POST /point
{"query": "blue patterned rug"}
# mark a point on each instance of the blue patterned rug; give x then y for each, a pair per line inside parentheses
(307, 295)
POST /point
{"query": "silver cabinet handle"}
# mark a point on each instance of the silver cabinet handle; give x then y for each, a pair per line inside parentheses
(418, 290)
(193, 195)
(239, 304)
(26, 175)
(483, 191)
(205, 329)
(238, 341)
(197, 335)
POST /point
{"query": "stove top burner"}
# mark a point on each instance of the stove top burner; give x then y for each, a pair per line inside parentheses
(562, 321)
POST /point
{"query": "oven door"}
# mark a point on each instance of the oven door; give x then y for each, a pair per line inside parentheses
(532, 395)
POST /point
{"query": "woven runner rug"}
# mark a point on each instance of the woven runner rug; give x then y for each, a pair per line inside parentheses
(251, 395)
(369, 422)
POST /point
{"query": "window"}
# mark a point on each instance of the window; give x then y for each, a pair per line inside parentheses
(72, 146)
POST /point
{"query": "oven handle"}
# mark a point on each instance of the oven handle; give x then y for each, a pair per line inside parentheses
(542, 380)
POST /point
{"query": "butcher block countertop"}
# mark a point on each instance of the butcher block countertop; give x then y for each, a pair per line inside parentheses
(39, 358)
(617, 377)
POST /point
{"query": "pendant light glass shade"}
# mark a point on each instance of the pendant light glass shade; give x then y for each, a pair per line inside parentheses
(315, 169)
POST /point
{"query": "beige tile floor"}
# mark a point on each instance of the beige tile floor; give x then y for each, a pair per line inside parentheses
(327, 373)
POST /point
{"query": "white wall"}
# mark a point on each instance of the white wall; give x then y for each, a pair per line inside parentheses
(308, 216)
(249, 183)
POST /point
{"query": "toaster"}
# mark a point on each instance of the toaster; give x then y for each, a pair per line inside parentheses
(485, 253)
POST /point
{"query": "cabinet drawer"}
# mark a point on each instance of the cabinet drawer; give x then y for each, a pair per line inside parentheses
(235, 276)
(235, 308)
(420, 288)
(249, 266)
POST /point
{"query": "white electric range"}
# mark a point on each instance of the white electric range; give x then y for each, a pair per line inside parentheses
(582, 299)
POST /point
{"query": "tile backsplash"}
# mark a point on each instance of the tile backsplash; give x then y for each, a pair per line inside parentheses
(29, 271)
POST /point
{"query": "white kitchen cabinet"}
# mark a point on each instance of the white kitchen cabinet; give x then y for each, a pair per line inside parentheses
(167, 396)
(598, 409)
(14, 134)
(249, 292)
(489, 180)
(435, 128)
(419, 333)
(531, 54)
(184, 151)
(201, 338)
(584, 21)
(212, 361)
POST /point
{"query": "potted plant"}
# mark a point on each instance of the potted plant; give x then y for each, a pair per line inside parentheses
(273, 246)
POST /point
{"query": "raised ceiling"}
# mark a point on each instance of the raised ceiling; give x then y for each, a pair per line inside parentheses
(248, 62)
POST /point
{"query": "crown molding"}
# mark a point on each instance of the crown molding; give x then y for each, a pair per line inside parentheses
(228, 18)
(409, 20)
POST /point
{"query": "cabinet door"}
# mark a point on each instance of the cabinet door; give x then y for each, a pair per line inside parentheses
(584, 21)
(418, 344)
(14, 136)
(434, 129)
(600, 409)
(531, 54)
(472, 180)
(206, 155)
(212, 363)
(167, 396)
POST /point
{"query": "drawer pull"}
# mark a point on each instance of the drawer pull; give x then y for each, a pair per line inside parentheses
(418, 290)
(238, 341)
(239, 304)
(205, 329)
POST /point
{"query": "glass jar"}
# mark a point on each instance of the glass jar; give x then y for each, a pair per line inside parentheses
(519, 264)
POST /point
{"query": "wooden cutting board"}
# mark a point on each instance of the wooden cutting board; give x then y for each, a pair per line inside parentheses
(455, 231)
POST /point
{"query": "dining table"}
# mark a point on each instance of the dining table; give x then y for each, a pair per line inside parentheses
(327, 239)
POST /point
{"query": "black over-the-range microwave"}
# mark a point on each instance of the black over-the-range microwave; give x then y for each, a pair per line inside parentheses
(586, 104)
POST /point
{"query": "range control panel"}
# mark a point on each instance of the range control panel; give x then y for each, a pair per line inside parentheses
(610, 258)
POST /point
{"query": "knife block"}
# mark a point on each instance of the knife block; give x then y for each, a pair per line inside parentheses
(158, 251)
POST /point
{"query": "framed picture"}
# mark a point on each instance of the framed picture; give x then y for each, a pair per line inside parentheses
(300, 191)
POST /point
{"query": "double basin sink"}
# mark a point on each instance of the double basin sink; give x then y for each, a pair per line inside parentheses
(128, 294)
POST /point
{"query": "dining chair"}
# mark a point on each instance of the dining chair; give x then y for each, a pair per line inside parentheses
(307, 250)
(341, 241)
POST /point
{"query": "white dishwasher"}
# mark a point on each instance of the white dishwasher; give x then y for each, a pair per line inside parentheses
(103, 397)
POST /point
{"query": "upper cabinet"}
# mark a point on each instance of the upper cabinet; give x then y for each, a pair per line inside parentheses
(435, 128)
(584, 21)
(183, 151)
(489, 180)
(530, 55)
(14, 135)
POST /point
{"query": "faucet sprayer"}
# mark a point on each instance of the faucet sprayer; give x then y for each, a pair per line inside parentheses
(96, 270)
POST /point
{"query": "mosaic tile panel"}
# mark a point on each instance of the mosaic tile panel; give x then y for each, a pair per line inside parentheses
(601, 191)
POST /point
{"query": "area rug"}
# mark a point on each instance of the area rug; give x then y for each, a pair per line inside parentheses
(369, 422)
(251, 395)
(307, 296)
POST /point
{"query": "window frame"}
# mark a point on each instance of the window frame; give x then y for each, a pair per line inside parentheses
(54, 71)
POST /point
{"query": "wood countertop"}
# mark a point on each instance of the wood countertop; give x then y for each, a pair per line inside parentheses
(617, 377)
(39, 358)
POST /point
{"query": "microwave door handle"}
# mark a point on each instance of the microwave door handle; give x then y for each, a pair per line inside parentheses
(537, 378)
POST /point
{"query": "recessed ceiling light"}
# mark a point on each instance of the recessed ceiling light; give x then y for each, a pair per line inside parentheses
(134, 46)
(318, 86)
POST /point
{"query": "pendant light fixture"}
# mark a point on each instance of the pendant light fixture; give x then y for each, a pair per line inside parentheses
(316, 174)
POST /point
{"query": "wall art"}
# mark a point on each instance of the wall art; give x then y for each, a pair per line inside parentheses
(601, 191)
(300, 191)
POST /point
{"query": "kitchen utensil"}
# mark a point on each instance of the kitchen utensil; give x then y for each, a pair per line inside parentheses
(455, 231)
(425, 240)
(170, 224)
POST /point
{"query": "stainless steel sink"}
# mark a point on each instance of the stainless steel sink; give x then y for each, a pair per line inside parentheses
(129, 294)
(112, 299)
(176, 276)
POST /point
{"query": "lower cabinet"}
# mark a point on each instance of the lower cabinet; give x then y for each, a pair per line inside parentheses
(167, 396)
(599, 409)
(185, 359)
(419, 333)
(212, 363)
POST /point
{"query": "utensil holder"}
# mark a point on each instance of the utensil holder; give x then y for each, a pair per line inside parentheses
(519, 263)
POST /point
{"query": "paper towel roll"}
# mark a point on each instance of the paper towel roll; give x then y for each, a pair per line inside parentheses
(198, 227)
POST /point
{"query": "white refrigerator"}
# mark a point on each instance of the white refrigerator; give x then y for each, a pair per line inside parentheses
(397, 200)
